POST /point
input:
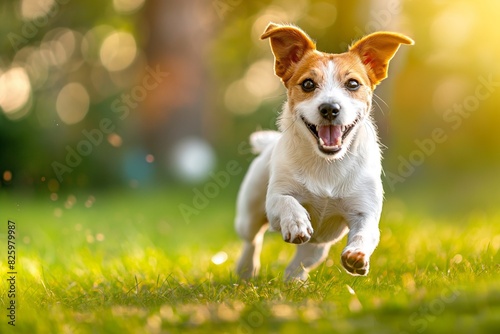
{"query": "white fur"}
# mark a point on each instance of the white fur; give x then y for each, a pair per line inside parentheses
(261, 139)
(313, 199)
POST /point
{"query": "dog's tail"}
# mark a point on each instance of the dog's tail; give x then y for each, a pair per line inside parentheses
(262, 139)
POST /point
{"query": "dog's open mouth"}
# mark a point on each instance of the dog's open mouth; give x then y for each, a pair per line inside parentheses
(330, 137)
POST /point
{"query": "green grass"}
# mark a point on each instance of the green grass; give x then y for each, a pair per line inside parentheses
(129, 263)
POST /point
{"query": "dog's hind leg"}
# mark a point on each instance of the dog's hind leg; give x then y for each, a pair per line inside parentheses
(307, 257)
(251, 222)
(249, 263)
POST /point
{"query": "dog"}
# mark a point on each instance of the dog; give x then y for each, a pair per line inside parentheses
(319, 177)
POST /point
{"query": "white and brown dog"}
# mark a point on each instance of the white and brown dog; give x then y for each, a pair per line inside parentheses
(319, 178)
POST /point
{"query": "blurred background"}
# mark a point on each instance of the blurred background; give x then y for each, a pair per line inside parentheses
(143, 94)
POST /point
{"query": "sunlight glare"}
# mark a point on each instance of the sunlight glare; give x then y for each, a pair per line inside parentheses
(453, 27)
(32, 267)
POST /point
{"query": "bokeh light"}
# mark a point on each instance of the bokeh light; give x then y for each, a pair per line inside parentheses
(72, 103)
(115, 139)
(219, 258)
(244, 96)
(15, 92)
(70, 201)
(193, 158)
(62, 43)
(239, 100)
(260, 79)
(90, 201)
(127, 6)
(118, 51)
(32, 9)
(7, 176)
(92, 41)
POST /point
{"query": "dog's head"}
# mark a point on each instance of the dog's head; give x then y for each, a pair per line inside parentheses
(329, 95)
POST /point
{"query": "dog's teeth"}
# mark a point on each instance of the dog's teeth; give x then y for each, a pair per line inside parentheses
(343, 128)
(321, 142)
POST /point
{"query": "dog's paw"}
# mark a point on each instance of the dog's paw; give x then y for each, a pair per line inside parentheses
(296, 231)
(355, 262)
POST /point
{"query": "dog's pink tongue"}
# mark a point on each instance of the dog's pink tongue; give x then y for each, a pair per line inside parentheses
(330, 134)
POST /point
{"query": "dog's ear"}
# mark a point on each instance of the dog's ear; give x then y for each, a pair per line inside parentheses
(289, 45)
(376, 50)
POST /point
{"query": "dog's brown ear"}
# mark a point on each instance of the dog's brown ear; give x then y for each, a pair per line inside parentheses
(289, 44)
(376, 50)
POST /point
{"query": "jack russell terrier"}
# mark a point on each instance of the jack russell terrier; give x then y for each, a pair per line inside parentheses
(319, 177)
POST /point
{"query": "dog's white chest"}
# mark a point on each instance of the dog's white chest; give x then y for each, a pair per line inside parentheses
(327, 218)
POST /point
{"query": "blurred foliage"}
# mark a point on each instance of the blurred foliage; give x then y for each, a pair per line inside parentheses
(432, 85)
(59, 46)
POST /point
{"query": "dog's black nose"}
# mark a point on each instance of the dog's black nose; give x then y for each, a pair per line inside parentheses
(329, 111)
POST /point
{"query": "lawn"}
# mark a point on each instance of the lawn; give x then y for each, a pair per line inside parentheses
(127, 262)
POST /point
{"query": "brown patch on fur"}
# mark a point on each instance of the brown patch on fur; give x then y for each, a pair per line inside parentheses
(376, 50)
(289, 45)
(348, 66)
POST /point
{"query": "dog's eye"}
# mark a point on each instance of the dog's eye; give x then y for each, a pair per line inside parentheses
(308, 85)
(352, 84)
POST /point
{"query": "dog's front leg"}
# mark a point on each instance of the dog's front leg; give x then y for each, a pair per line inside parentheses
(362, 240)
(287, 215)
